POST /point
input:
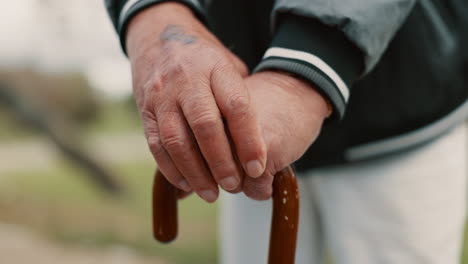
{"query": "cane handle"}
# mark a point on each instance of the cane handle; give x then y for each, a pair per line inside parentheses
(285, 218)
(164, 209)
(284, 222)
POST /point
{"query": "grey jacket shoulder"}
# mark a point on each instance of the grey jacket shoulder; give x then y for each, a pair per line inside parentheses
(369, 24)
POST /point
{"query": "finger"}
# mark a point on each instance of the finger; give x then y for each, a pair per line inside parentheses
(260, 188)
(238, 165)
(204, 119)
(181, 147)
(165, 163)
(234, 102)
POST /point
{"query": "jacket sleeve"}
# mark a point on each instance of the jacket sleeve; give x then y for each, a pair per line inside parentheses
(332, 43)
(121, 11)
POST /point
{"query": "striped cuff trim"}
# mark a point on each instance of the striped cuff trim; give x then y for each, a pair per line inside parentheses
(312, 74)
(132, 7)
(313, 60)
(126, 7)
(131, 3)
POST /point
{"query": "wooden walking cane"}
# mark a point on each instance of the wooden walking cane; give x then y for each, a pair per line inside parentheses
(284, 223)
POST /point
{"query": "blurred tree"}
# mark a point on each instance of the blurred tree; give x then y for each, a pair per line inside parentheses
(68, 95)
(54, 105)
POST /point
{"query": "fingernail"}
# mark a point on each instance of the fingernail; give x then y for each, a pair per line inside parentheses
(208, 195)
(229, 183)
(254, 168)
(183, 184)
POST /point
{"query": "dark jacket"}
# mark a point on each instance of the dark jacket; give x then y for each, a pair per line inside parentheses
(395, 71)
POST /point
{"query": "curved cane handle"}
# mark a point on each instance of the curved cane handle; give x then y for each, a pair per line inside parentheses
(165, 224)
(284, 223)
(285, 218)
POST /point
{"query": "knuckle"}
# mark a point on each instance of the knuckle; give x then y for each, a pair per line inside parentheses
(204, 125)
(258, 151)
(156, 84)
(221, 64)
(238, 100)
(177, 70)
(195, 99)
(155, 146)
(153, 86)
(218, 165)
(173, 142)
(221, 69)
(223, 167)
(171, 136)
(150, 103)
(259, 189)
(148, 115)
(194, 102)
(239, 104)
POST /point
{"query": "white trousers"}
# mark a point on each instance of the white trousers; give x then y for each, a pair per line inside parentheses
(404, 209)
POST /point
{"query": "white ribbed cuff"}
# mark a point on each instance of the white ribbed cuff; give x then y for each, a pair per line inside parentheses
(313, 60)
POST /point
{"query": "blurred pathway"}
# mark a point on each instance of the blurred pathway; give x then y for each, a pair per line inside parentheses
(39, 154)
(20, 246)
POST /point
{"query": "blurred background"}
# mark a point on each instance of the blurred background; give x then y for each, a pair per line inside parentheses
(75, 172)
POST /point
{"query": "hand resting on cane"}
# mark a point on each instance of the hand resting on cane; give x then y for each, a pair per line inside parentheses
(186, 83)
(187, 87)
(290, 113)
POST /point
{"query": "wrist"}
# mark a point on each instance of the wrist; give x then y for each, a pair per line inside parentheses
(143, 28)
(313, 100)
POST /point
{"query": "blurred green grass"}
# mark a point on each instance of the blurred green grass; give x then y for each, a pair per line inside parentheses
(117, 116)
(67, 209)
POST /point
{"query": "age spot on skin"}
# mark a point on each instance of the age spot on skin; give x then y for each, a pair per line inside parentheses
(176, 33)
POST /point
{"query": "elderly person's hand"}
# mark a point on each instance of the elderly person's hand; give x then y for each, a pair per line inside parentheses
(188, 86)
(290, 113)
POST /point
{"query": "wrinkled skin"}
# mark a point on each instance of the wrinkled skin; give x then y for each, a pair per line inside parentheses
(290, 113)
(188, 86)
(205, 121)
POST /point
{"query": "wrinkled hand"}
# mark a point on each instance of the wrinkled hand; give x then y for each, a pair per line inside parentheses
(290, 113)
(188, 86)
